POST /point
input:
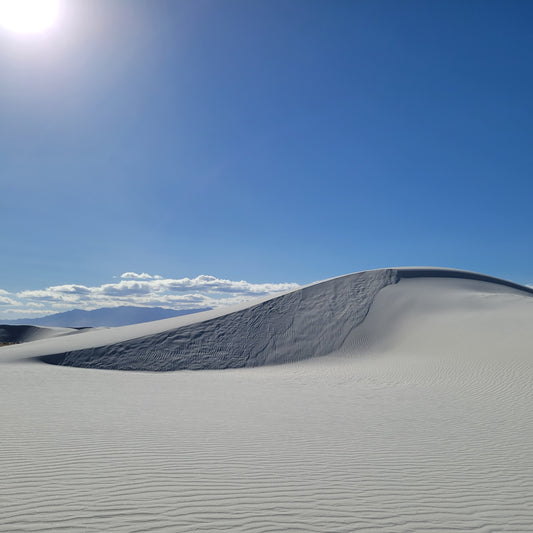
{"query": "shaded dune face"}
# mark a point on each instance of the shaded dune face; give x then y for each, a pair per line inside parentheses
(308, 322)
(13, 334)
(312, 321)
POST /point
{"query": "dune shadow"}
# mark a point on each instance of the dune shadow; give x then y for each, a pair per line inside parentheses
(53, 359)
(404, 273)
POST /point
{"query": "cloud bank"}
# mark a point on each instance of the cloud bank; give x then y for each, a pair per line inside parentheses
(143, 290)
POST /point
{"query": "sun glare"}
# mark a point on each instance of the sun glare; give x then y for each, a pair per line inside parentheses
(28, 16)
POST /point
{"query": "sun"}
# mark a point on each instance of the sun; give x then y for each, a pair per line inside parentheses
(28, 16)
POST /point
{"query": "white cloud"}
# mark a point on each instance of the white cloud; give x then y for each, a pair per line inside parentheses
(5, 300)
(138, 289)
(134, 275)
(124, 288)
(57, 291)
(212, 284)
(22, 312)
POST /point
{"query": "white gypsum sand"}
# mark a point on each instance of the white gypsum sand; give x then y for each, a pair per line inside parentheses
(404, 405)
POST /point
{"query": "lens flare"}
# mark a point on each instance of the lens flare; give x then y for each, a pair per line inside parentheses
(28, 16)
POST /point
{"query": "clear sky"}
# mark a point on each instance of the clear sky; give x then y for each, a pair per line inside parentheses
(269, 141)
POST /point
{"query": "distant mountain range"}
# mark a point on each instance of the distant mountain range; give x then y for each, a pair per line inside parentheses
(104, 317)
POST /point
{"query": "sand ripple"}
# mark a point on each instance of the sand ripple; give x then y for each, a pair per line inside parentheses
(423, 426)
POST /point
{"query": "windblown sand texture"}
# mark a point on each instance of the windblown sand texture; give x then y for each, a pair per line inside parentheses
(403, 404)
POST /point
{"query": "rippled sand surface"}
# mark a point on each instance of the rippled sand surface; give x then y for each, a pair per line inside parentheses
(420, 421)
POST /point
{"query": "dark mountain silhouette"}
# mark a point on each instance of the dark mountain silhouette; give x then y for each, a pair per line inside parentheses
(104, 317)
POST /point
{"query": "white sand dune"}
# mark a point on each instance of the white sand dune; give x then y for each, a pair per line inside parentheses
(404, 405)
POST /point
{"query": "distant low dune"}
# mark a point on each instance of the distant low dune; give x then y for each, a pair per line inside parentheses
(13, 334)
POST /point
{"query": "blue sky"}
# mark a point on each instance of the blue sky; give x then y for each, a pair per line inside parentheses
(268, 141)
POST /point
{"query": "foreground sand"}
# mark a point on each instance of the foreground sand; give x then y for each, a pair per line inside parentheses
(420, 421)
